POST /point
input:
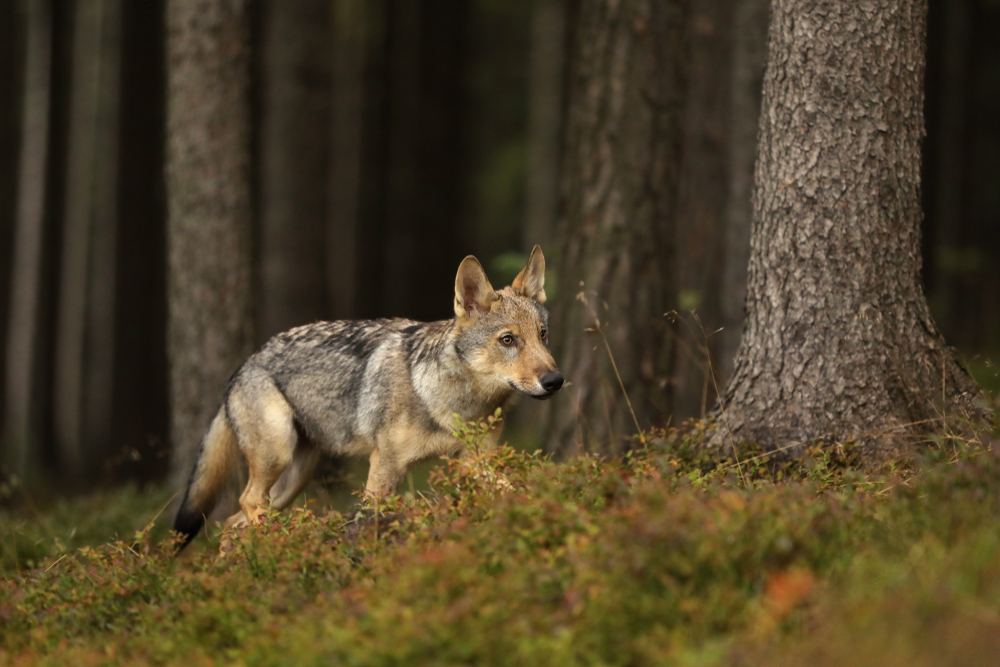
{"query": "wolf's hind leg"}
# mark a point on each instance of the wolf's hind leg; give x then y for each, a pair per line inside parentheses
(296, 476)
(265, 430)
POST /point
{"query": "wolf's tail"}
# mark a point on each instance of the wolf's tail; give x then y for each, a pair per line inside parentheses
(211, 472)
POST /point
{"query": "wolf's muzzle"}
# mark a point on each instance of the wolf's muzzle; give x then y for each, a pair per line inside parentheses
(551, 382)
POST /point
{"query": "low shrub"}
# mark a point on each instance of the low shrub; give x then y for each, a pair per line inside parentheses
(668, 555)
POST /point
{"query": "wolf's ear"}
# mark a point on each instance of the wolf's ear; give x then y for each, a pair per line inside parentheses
(530, 282)
(473, 293)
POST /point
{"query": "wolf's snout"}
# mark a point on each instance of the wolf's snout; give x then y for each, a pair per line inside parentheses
(551, 382)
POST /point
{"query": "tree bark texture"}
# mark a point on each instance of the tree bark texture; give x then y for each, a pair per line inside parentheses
(210, 329)
(838, 342)
(295, 121)
(619, 191)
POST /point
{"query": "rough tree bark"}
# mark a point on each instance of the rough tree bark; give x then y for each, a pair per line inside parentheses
(619, 190)
(210, 328)
(838, 341)
(295, 121)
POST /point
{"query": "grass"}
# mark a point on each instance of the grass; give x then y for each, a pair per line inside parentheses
(666, 556)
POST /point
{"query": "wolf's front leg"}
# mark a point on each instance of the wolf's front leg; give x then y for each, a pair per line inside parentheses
(384, 474)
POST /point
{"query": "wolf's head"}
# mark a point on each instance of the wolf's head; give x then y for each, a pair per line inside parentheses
(503, 335)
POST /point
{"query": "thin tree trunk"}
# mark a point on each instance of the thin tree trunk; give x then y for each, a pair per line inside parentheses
(210, 328)
(701, 209)
(971, 238)
(946, 147)
(427, 56)
(85, 324)
(375, 25)
(839, 342)
(619, 190)
(981, 241)
(547, 77)
(22, 346)
(354, 25)
(141, 411)
(295, 122)
(749, 36)
(12, 34)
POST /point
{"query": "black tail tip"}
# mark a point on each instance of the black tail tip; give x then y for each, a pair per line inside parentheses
(188, 524)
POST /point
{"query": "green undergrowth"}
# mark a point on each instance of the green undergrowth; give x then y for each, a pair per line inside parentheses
(668, 555)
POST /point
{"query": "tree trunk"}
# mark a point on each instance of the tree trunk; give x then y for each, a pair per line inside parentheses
(12, 33)
(210, 329)
(619, 191)
(427, 56)
(356, 28)
(84, 360)
(22, 350)
(839, 343)
(701, 211)
(295, 122)
(749, 46)
(964, 208)
(141, 412)
(545, 107)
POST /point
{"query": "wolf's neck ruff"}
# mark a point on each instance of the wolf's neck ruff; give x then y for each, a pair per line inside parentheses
(385, 389)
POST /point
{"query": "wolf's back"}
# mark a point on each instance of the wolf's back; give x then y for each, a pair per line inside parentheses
(211, 471)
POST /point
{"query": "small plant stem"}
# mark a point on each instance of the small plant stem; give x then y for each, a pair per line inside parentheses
(642, 438)
(55, 563)
(722, 403)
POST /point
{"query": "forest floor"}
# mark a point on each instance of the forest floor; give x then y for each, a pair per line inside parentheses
(666, 556)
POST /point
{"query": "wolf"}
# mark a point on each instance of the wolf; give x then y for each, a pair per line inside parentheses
(386, 389)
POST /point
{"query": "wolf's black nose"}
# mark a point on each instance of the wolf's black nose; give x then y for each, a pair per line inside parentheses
(551, 382)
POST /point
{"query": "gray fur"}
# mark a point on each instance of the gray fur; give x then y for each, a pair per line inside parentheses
(387, 389)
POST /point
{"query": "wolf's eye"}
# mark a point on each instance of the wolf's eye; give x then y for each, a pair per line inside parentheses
(544, 334)
(507, 340)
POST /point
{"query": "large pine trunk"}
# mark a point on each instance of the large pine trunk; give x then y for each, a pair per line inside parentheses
(210, 329)
(838, 341)
(619, 190)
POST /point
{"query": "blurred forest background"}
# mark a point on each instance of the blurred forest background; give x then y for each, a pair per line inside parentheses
(389, 139)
